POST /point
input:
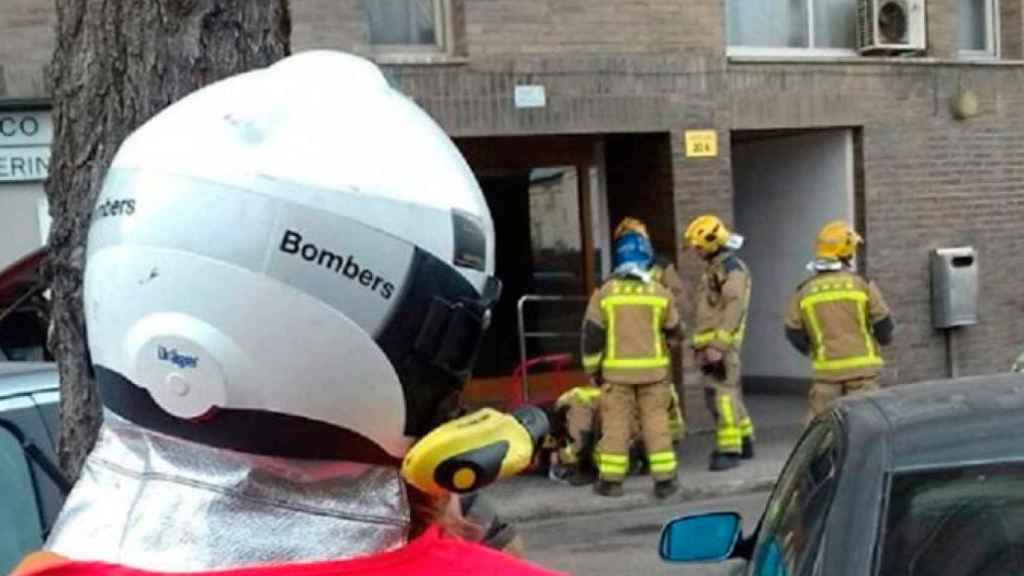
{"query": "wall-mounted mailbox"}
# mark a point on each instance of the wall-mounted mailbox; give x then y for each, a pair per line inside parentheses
(954, 287)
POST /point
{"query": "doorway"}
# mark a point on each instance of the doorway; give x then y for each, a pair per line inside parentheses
(547, 197)
(786, 185)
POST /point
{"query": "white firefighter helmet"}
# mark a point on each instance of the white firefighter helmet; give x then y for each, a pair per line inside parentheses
(295, 262)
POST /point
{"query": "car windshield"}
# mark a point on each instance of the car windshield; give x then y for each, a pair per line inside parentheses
(966, 521)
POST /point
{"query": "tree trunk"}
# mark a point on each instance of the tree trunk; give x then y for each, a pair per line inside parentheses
(117, 63)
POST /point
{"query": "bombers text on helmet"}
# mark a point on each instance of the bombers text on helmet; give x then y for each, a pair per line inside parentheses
(707, 233)
(292, 262)
(836, 240)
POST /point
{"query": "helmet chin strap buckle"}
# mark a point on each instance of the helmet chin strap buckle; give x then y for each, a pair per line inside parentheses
(450, 335)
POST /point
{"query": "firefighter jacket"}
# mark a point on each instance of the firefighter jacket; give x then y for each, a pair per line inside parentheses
(665, 273)
(839, 319)
(625, 329)
(722, 300)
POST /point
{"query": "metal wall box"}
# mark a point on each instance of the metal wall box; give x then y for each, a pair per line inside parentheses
(954, 287)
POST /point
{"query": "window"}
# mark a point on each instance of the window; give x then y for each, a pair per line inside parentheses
(963, 521)
(792, 26)
(19, 516)
(407, 25)
(977, 28)
(794, 519)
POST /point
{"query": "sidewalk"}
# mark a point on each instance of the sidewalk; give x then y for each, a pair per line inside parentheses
(778, 419)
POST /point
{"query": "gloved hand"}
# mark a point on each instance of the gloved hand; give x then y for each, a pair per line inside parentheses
(712, 355)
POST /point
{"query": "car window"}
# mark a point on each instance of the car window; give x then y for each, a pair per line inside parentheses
(19, 517)
(966, 521)
(795, 516)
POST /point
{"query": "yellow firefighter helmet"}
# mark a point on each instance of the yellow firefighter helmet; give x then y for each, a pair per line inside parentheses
(706, 233)
(837, 240)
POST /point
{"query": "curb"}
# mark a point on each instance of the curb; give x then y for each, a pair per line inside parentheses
(639, 500)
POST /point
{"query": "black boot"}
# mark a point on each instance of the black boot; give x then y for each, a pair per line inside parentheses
(582, 476)
(721, 461)
(665, 488)
(608, 489)
(748, 448)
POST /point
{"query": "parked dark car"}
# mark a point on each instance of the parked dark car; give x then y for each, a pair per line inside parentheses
(924, 479)
(32, 489)
(24, 310)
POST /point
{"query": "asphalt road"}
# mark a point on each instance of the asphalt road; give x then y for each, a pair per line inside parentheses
(625, 543)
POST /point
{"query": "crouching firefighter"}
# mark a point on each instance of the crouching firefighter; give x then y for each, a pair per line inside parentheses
(279, 394)
(624, 347)
(578, 418)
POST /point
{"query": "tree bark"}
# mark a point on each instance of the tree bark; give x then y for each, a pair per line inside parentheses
(116, 64)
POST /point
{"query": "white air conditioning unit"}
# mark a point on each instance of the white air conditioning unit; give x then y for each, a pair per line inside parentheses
(888, 26)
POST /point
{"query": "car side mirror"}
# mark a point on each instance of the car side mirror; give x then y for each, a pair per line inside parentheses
(701, 538)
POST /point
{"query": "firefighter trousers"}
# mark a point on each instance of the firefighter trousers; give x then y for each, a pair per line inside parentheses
(619, 405)
(723, 395)
(823, 393)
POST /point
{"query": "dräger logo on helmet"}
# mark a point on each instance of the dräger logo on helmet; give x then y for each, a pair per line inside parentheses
(292, 243)
(178, 359)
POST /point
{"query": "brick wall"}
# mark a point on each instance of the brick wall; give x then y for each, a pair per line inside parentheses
(1011, 16)
(929, 180)
(659, 66)
(503, 27)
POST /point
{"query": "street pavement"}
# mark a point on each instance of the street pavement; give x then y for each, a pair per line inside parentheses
(779, 421)
(626, 542)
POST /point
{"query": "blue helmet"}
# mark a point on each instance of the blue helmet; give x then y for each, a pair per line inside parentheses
(633, 249)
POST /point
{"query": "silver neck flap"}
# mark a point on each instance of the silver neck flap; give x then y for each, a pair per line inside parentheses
(159, 503)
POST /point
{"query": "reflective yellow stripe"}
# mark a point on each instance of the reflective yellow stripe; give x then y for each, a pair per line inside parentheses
(608, 305)
(609, 316)
(662, 457)
(666, 462)
(869, 344)
(635, 300)
(832, 293)
(636, 363)
(656, 330)
(587, 394)
(610, 464)
(591, 362)
(583, 395)
(725, 411)
(729, 438)
(568, 455)
(746, 428)
(705, 338)
(849, 363)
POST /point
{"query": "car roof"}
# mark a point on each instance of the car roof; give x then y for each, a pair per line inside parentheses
(19, 378)
(946, 422)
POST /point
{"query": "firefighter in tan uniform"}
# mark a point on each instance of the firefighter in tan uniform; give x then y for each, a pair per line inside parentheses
(664, 271)
(839, 319)
(578, 410)
(722, 300)
(625, 330)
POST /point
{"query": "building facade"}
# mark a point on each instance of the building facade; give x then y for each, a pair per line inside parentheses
(759, 110)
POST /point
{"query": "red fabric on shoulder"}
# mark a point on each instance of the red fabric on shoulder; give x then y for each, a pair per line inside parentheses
(429, 555)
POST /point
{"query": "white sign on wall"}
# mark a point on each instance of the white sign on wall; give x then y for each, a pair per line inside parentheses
(25, 139)
(530, 96)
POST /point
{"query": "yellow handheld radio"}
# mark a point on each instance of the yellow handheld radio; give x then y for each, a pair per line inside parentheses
(473, 451)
